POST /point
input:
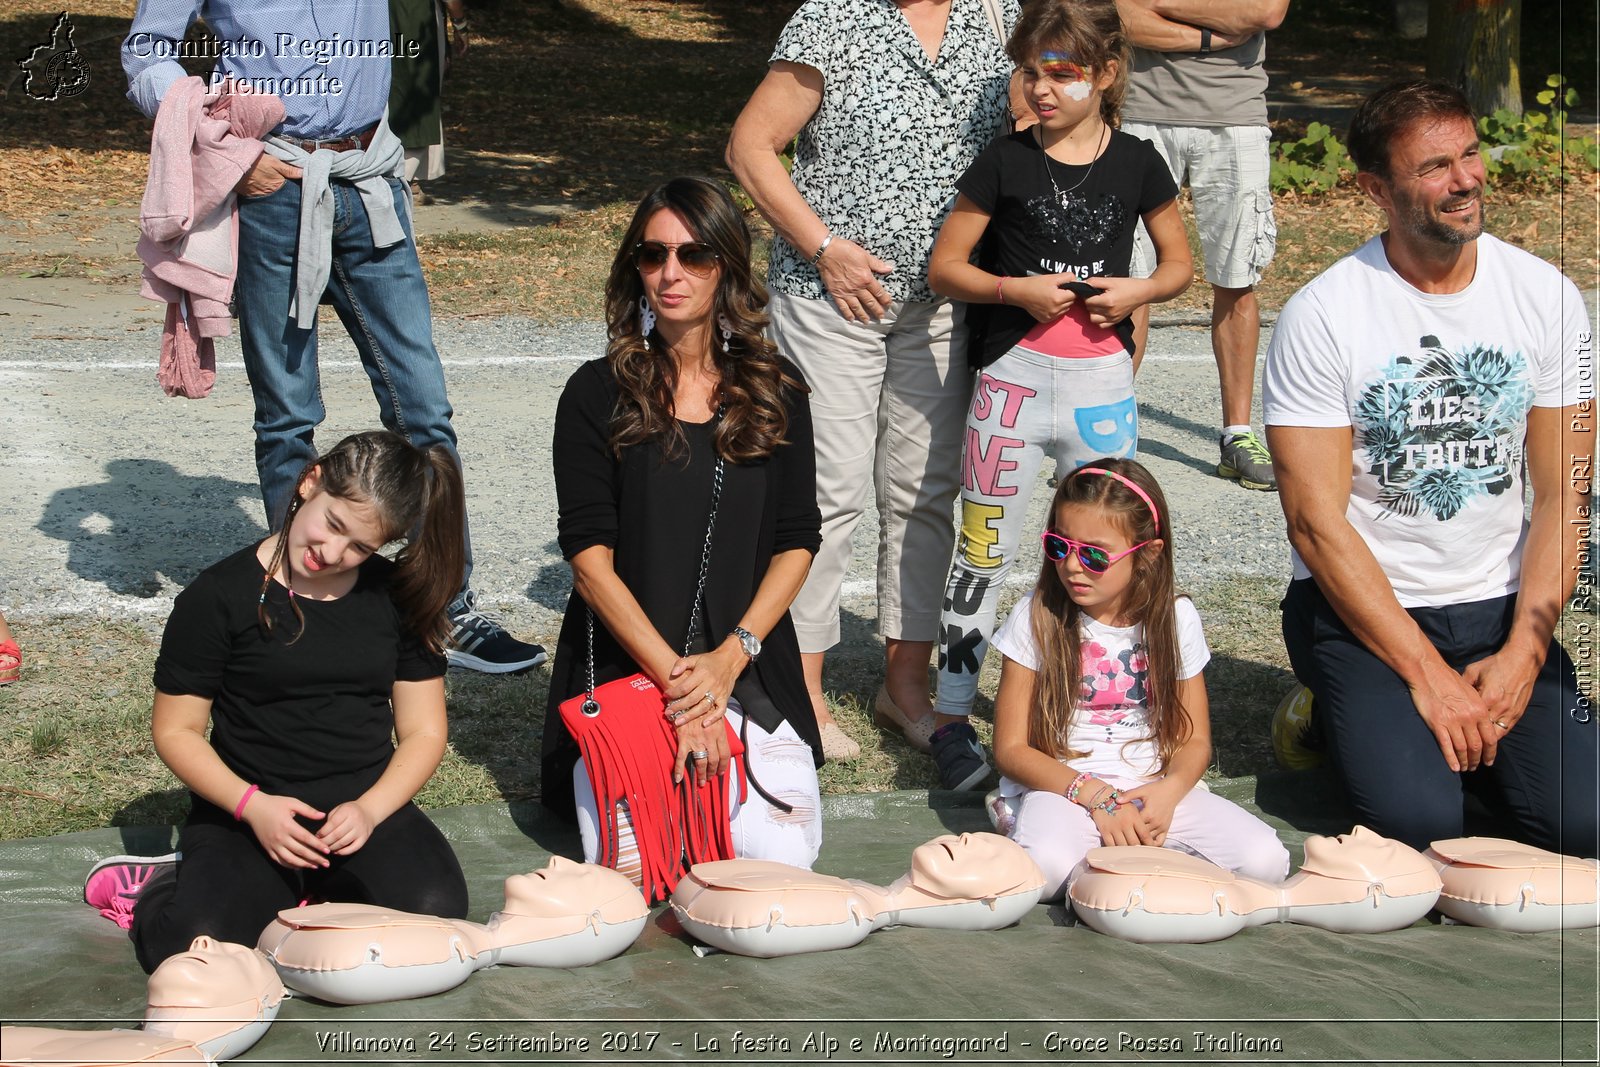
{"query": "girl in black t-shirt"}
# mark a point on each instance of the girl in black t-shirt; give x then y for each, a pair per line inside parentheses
(1050, 213)
(305, 653)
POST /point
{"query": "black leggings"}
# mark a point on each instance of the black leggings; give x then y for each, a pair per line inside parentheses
(1397, 779)
(227, 888)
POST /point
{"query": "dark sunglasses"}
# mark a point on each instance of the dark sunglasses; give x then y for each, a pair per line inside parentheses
(694, 257)
(1095, 559)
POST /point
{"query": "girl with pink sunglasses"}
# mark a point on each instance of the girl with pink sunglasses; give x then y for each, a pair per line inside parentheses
(1102, 728)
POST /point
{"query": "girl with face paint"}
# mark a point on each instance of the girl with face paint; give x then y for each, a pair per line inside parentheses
(1039, 245)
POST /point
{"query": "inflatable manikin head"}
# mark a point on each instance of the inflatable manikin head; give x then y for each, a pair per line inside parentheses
(1364, 856)
(1492, 882)
(1358, 882)
(206, 1005)
(567, 915)
(760, 908)
(94, 1048)
(219, 995)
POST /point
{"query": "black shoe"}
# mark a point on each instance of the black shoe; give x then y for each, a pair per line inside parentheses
(478, 642)
(959, 757)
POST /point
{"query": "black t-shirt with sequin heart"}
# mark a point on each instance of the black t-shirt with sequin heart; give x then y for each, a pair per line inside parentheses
(1082, 223)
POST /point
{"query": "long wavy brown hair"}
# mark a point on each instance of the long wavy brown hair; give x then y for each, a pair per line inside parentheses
(1088, 30)
(754, 420)
(418, 496)
(1055, 618)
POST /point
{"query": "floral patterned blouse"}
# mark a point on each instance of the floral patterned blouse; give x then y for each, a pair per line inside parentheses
(878, 162)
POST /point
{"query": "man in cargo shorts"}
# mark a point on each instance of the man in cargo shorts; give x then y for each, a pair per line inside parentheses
(1198, 92)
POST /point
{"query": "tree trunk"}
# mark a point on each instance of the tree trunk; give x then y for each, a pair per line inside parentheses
(1476, 45)
(1411, 19)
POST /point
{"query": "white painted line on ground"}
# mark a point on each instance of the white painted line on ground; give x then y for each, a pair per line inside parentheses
(472, 361)
(150, 364)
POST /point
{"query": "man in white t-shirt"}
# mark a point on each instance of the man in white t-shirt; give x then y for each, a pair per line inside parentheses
(1410, 392)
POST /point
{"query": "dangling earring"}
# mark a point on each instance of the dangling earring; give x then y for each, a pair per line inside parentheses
(727, 331)
(647, 319)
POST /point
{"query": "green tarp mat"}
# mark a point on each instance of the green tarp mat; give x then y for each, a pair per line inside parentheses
(1044, 991)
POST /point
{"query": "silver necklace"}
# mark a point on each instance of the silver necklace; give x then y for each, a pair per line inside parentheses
(1061, 194)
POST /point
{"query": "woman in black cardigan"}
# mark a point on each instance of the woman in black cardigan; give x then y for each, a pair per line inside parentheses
(687, 377)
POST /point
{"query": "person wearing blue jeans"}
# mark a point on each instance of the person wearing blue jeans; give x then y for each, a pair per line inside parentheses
(323, 217)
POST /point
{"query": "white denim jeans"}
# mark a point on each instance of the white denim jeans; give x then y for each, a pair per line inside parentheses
(780, 761)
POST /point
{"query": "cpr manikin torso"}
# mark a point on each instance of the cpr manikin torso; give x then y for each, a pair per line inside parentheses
(216, 1000)
(1358, 882)
(759, 908)
(1509, 886)
(567, 915)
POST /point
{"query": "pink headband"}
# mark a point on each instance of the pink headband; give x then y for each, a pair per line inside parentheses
(1151, 504)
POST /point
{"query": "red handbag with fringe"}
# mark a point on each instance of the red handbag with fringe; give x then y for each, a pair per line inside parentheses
(629, 749)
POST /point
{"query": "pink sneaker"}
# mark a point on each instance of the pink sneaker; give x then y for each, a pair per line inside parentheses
(114, 884)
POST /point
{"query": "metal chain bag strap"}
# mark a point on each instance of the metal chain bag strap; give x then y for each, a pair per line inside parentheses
(629, 748)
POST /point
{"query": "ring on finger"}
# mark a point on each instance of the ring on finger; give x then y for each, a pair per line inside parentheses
(710, 697)
(1502, 725)
(699, 754)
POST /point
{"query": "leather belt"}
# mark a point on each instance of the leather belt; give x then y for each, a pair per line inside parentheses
(344, 144)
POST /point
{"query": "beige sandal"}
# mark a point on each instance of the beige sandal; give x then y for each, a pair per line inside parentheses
(887, 714)
(836, 744)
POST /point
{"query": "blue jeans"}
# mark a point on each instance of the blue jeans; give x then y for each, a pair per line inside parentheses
(380, 296)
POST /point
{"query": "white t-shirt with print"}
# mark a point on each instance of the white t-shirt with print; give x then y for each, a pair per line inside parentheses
(1436, 389)
(1111, 723)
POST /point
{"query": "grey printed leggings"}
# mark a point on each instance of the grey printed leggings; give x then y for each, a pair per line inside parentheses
(1025, 407)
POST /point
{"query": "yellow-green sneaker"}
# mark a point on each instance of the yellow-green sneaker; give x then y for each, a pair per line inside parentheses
(1294, 741)
(1245, 459)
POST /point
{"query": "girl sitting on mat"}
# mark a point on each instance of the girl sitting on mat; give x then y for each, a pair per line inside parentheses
(691, 409)
(305, 653)
(1101, 723)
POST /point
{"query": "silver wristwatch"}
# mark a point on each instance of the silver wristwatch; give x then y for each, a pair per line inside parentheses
(748, 641)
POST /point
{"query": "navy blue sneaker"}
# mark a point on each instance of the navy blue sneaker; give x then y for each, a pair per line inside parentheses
(959, 757)
(479, 642)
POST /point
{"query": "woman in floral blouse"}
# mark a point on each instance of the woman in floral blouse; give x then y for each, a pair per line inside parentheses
(891, 101)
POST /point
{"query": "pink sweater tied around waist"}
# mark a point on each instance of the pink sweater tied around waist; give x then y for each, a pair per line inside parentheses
(204, 141)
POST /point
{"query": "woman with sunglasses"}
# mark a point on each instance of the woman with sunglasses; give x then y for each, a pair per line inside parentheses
(891, 102)
(1101, 724)
(690, 396)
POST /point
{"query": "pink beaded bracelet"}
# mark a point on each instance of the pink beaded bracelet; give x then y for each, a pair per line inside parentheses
(1077, 784)
(998, 292)
(238, 811)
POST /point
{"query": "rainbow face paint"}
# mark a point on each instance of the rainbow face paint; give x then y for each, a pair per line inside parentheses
(1061, 63)
(1072, 78)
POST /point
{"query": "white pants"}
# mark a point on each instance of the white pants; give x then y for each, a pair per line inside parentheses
(1058, 833)
(888, 406)
(780, 761)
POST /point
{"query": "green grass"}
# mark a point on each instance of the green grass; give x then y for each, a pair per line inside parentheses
(75, 753)
(76, 750)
